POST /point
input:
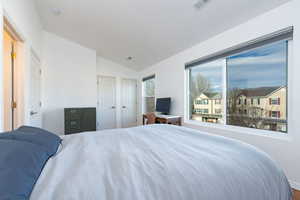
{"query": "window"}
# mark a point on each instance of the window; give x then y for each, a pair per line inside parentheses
(275, 114)
(203, 102)
(274, 101)
(148, 94)
(259, 72)
(253, 78)
(205, 82)
(201, 111)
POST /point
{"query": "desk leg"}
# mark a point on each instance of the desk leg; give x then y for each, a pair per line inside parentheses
(179, 122)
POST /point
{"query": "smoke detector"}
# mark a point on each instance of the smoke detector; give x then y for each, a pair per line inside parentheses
(200, 3)
(129, 58)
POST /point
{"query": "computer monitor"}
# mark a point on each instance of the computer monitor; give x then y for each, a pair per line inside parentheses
(163, 105)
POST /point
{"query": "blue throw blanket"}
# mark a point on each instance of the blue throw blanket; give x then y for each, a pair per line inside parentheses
(23, 154)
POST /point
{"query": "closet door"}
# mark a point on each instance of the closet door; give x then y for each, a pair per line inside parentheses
(106, 114)
(129, 103)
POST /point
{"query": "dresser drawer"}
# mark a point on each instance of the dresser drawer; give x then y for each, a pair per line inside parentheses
(72, 114)
(80, 120)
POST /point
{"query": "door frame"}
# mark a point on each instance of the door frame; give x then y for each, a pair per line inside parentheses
(136, 99)
(98, 100)
(17, 71)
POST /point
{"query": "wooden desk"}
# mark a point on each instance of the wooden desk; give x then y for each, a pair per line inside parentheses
(165, 119)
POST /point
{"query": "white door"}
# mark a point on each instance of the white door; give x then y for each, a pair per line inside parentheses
(106, 113)
(35, 93)
(129, 103)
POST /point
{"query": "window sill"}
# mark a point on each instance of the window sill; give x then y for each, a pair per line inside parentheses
(240, 130)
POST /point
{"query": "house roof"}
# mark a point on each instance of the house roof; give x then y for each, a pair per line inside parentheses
(213, 95)
(249, 92)
(258, 92)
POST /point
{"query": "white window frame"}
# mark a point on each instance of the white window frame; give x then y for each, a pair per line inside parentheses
(239, 129)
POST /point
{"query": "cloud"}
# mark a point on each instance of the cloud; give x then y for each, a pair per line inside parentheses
(257, 75)
(267, 60)
(270, 54)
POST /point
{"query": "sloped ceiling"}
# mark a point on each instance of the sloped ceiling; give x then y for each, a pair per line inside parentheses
(147, 30)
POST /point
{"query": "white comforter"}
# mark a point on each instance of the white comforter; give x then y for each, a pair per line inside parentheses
(159, 162)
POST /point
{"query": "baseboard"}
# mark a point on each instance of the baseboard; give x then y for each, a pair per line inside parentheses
(295, 185)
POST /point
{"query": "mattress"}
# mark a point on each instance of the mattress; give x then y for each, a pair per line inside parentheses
(159, 162)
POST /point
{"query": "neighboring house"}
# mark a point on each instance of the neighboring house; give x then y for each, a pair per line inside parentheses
(266, 102)
(263, 107)
(208, 107)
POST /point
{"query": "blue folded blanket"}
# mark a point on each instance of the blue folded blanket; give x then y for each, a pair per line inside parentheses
(23, 154)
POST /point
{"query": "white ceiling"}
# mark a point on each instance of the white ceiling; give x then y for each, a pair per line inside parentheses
(147, 30)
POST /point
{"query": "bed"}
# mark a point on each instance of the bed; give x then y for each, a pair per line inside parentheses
(159, 162)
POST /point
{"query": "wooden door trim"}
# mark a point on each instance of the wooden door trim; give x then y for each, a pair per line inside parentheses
(19, 58)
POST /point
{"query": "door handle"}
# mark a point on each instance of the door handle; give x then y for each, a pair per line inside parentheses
(113, 107)
(33, 113)
(123, 106)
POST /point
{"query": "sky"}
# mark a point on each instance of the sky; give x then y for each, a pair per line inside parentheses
(260, 67)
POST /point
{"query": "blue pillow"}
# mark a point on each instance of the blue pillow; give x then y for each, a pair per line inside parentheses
(21, 164)
(37, 136)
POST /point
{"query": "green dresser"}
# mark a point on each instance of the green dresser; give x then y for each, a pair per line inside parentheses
(80, 120)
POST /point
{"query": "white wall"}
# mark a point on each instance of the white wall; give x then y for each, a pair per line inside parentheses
(25, 20)
(69, 79)
(24, 16)
(109, 68)
(77, 66)
(170, 78)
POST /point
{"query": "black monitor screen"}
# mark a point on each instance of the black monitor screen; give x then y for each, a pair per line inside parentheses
(163, 105)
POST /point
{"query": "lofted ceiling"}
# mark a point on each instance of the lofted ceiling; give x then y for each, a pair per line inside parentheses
(146, 30)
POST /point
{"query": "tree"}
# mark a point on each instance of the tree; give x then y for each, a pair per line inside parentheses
(233, 97)
(149, 96)
(150, 88)
(199, 84)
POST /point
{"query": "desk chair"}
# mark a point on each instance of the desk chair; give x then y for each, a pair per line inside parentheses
(150, 118)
